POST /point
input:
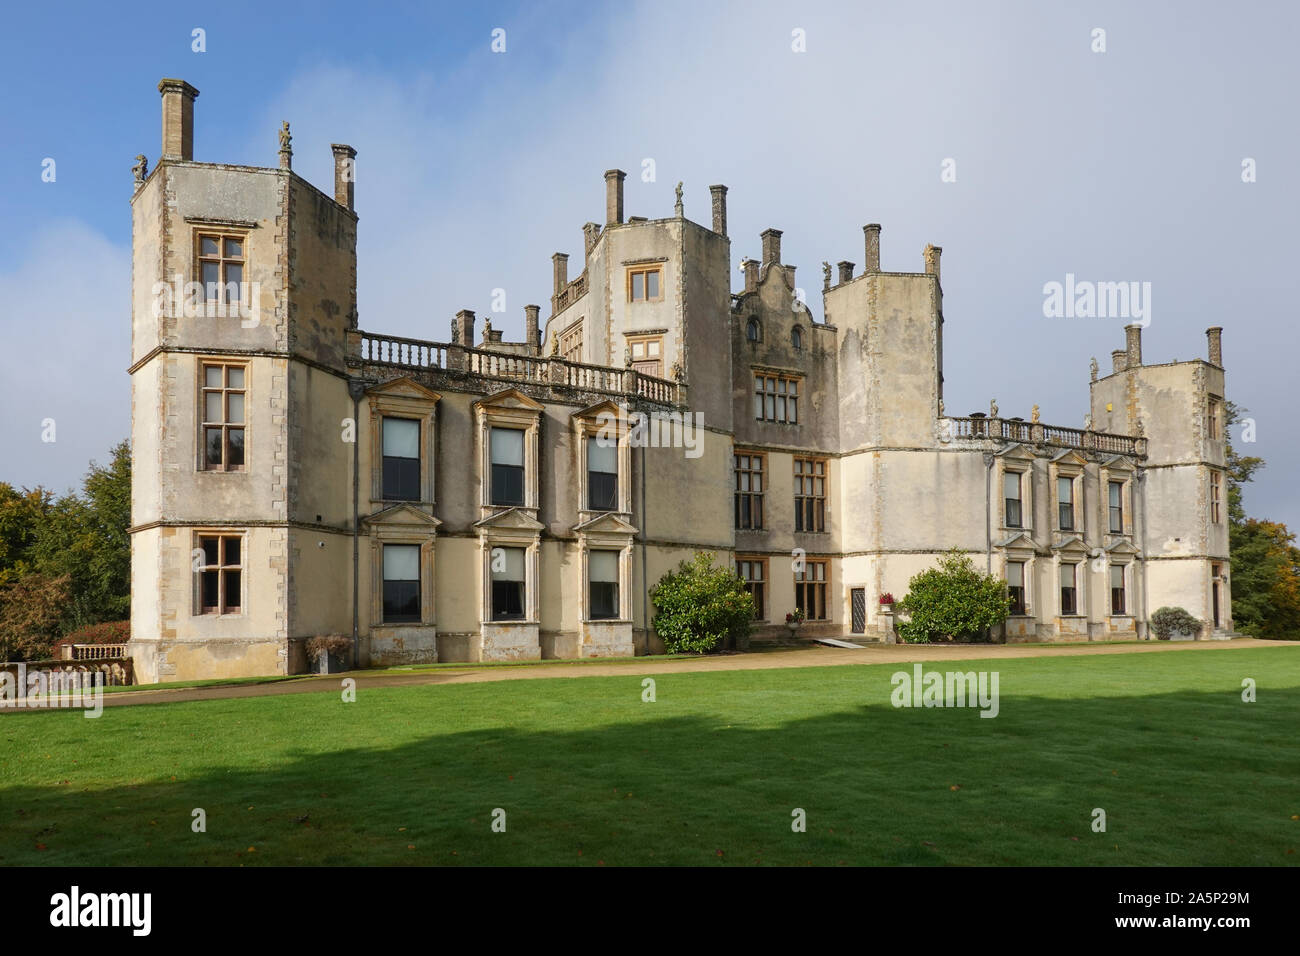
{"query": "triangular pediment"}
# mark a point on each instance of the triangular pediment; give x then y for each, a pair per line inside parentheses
(404, 388)
(1069, 457)
(1017, 450)
(1119, 463)
(1071, 543)
(607, 523)
(512, 519)
(1019, 540)
(509, 398)
(606, 407)
(402, 514)
(1121, 546)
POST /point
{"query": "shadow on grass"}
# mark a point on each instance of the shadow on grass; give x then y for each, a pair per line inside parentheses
(406, 777)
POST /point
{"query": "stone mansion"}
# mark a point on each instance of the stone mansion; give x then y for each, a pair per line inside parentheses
(481, 500)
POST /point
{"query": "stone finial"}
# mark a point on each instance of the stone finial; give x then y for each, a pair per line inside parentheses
(678, 209)
(993, 408)
(1139, 429)
(826, 276)
(627, 358)
(555, 344)
(678, 373)
(487, 327)
(1092, 368)
(1033, 415)
(286, 150)
(1087, 422)
(932, 254)
(141, 168)
(941, 408)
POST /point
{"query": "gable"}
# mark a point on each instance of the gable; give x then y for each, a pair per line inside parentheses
(1069, 457)
(608, 523)
(608, 407)
(1073, 544)
(403, 515)
(1018, 541)
(1121, 547)
(512, 519)
(1016, 450)
(1119, 463)
(509, 398)
(404, 388)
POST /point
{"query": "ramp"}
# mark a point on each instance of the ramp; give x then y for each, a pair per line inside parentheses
(832, 642)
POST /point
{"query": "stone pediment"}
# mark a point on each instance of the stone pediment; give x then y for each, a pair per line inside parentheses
(1121, 546)
(1071, 543)
(512, 519)
(1018, 541)
(509, 398)
(1069, 457)
(404, 388)
(608, 523)
(1017, 450)
(403, 515)
(605, 407)
(1119, 463)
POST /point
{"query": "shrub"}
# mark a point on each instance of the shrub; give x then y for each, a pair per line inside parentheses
(1167, 621)
(699, 605)
(335, 644)
(109, 632)
(30, 610)
(952, 601)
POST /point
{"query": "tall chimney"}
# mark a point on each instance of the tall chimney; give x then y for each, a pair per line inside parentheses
(751, 275)
(560, 267)
(846, 271)
(614, 196)
(1133, 342)
(345, 175)
(932, 254)
(177, 119)
(771, 246)
(465, 323)
(1215, 335)
(532, 328)
(1118, 360)
(871, 233)
(719, 194)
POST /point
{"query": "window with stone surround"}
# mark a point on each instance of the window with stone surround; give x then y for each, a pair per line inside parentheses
(602, 584)
(602, 474)
(221, 268)
(1216, 486)
(507, 448)
(220, 574)
(647, 353)
(1117, 589)
(810, 494)
(401, 583)
(1069, 589)
(1213, 406)
(222, 408)
(810, 590)
(1065, 502)
(1016, 587)
(1012, 499)
(1115, 506)
(571, 342)
(750, 488)
(509, 582)
(752, 569)
(401, 459)
(776, 397)
(645, 284)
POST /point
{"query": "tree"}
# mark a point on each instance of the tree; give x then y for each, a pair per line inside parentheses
(701, 604)
(952, 601)
(31, 608)
(1265, 561)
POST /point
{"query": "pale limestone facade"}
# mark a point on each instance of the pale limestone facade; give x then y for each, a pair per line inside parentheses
(489, 525)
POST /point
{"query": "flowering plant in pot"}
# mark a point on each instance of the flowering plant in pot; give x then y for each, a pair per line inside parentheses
(887, 601)
(794, 619)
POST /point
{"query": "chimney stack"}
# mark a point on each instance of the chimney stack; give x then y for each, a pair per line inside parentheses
(871, 232)
(932, 254)
(1133, 342)
(177, 119)
(532, 327)
(614, 196)
(345, 175)
(719, 209)
(771, 246)
(465, 326)
(846, 271)
(1118, 360)
(590, 233)
(751, 275)
(560, 267)
(1215, 335)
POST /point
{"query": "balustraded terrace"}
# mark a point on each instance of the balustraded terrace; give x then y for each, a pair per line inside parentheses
(1006, 429)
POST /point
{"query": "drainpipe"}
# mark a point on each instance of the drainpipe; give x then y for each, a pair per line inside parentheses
(1142, 496)
(645, 570)
(988, 512)
(355, 389)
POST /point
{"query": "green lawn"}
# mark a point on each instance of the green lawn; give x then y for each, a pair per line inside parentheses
(708, 774)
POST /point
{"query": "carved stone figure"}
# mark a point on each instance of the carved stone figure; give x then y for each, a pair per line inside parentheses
(1092, 366)
(678, 373)
(993, 408)
(555, 344)
(285, 138)
(627, 358)
(1033, 415)
(141, 168)
(826, 275)
(940, 400)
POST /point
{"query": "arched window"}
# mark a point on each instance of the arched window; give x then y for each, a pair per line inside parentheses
(796, 337)
(752, 331)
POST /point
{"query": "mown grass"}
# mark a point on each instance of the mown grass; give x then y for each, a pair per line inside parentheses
(710, 773)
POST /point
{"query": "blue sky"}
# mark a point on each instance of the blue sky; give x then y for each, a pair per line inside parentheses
(473, 167)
